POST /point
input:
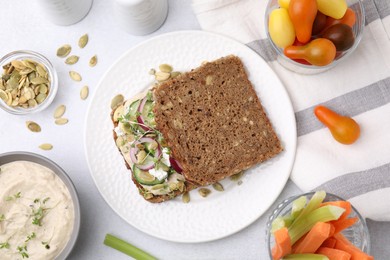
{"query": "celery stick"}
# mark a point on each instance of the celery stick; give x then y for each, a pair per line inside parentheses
(126, 248)
(305, 257)
(303, 225)
(313, 204)
(280, 222)
(297, 206)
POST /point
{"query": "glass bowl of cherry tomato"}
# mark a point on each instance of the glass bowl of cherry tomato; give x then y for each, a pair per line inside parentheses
(312, 36)
(319, 225)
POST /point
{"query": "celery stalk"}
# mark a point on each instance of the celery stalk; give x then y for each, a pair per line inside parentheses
(303, 225)
(313, 204)
(281, 222)
(297, 206)
(305, 257)
(127, 248)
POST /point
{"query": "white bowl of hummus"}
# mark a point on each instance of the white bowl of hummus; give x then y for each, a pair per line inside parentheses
(39, 208)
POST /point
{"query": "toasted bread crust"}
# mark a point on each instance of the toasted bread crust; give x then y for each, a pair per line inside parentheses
(213, 121)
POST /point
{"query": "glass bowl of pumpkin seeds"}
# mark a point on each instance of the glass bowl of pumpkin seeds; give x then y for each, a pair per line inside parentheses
(28, 82)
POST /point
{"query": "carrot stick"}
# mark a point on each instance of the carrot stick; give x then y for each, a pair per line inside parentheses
(329, 242)
(345, 245)
(314, 238)
(334, 254)
(282, 243)
(340, 225)
(342, 204)
(332, 230)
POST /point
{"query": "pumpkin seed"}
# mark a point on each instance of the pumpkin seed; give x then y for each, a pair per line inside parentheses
(236, 176)
(218, 186)
(83, 41)
(118, 113)
(64, 50)
(152, 71)
(148, 196)
(46, 146)
(204, 192)
(60, 111)
(33, 127)
(61, 121)
(41, 71)
(117, 100)
(84, 93)
(72, 60)
(3, 95)
(75, 76)
(32, 103)
(186, 197)
(40, 98)
(165, 68)
(38, 80)
(93, 61)
(162, 76)
(174, 74)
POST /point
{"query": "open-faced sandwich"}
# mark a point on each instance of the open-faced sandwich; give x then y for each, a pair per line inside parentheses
(193, 130)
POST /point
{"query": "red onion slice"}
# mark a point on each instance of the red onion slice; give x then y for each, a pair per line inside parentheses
(175, 165)
(134, 150)
(140, 119)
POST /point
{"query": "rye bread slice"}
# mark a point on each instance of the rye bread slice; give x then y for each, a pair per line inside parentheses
(155, 198)
(214, 122)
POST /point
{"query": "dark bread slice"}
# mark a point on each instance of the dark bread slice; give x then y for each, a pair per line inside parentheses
(156, 198)
(214, 122)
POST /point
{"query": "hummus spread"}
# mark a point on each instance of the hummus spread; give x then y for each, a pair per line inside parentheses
(36, 212)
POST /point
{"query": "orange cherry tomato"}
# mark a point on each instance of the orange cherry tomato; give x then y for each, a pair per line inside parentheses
(319, 52)
(302, 14)
(344, 129)
(349, 19)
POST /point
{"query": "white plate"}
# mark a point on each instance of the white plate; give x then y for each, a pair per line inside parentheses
(203, 219)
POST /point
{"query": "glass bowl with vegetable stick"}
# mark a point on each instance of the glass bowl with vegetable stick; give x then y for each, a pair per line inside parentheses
(317, 225)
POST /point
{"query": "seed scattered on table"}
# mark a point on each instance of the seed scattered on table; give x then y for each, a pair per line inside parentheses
(60, 111)
(93, 61)
(46, 146)
(33, 127)
(75, 76)
(84, 93)
(83, 41)
(64, 50)
(61, 121)
(72, 60)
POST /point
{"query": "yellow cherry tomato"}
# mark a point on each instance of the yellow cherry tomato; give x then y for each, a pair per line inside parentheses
(333, 8)
(284, 3)
(280, 28)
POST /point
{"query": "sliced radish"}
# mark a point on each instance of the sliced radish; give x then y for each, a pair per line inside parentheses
(175, 165)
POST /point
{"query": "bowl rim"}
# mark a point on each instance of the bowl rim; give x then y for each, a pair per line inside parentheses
(286, 202)
(346, 53)
(18, 54)
(39, 159)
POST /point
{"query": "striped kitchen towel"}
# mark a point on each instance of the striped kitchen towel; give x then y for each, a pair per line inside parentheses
(358, 87)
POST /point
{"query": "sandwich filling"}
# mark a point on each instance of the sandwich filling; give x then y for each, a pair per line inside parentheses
(145, 150)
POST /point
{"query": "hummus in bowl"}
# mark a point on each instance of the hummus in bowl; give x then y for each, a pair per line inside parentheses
(39, 208)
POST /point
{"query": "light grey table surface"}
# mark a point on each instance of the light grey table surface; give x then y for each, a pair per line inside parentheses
(24, 27)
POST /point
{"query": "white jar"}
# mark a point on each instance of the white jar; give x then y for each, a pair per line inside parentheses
(65, 12)
(140, 17)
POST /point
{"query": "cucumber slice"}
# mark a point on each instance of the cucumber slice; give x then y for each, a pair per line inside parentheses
(133, 108)
(144, 177)
(147, 114)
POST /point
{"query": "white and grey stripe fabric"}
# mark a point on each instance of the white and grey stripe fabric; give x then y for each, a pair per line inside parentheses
(358, 87)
